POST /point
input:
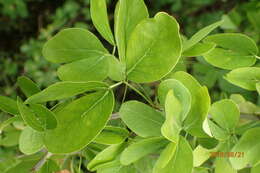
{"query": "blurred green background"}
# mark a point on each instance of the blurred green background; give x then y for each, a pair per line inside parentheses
(25, 25)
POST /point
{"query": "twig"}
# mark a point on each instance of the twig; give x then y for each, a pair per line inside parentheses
(38, 166)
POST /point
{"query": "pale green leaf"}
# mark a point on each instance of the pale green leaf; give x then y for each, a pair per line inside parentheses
(61, 90)
(200, 155)
(27, 86)
(255, 169)
(246, 77)
(141, 119)
(141, 148)
(127, 15)
(222, 165)
(112, 135)
(98, 11)
(198, 49)
(249, 143)
(197, 37)
(71, 45)
(80, 122)
(200, 103)
(258, 87)
(8, 122)
(30, 141)
(116, 69)
(154, 48)
(8, 105)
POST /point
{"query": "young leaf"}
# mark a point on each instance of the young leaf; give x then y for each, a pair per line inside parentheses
(29, 116)
(181, 161)
(61, 90)
(141, 119)
(234, 51)
(30, 141)
(80, 122)
(98, 11)
(8, 105)
(200, 103)
(222, 165)
(112, 135)
(154, 48)
(27, 86)
(246, 77)
(116, 69)
(249, 143)
(141, 148)
(197, 37)
(172, 125)
(107, 155)
(46, 117)
(226, 114)
(198, 49)
(71, 45)
(200, 155)
(90, 69)
(127, 15)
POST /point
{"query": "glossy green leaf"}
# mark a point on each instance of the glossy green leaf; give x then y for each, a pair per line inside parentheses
(127, 15)
(181, 161)
(27, 86)
(107, 155)
(61, 90)
(71, 45)
(30, 141)
(217, 131)
(112, 135)
(98, 11)
(226, 114)
(90, 69)
(200, 103)
(141, 119)
(29, 116)
(197, 37)
(198, 49)
(80, 122)
(116, 69)
(246, 77)
(154, 48)
(8, 105)
(233, 51)
(46, 117)
(249, 143)
(172, 125)
(141, 148)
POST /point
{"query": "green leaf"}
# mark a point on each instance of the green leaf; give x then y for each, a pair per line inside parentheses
(249, 143)
(105, 156)
(112, 135)
(233, 51)
(154, 48)
(90, 69)
(258, 87)
(255, 169)
(217, 131)
(200, 103)
(116, 69)
(141, 148)
(29, 116)
(127, 15)
(71, 45)
(8, 105)
(30, 141)
(45, 116)
(198, 49)
(180, 92)
(141, 119)
(27, 86)
(8, 122)
(197, 37)
(98, 11)
(181, 160)
(172, 125)
(226, 114)
(50, 166)
(61, 90)
(80, 122)
(222, 165)
(246, 77)
(200, 155)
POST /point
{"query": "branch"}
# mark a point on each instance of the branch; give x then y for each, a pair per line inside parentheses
(38, 166)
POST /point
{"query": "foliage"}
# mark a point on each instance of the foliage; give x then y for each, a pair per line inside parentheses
(81, 123)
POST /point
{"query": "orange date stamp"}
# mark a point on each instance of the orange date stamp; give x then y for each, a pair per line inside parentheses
(227, 154)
